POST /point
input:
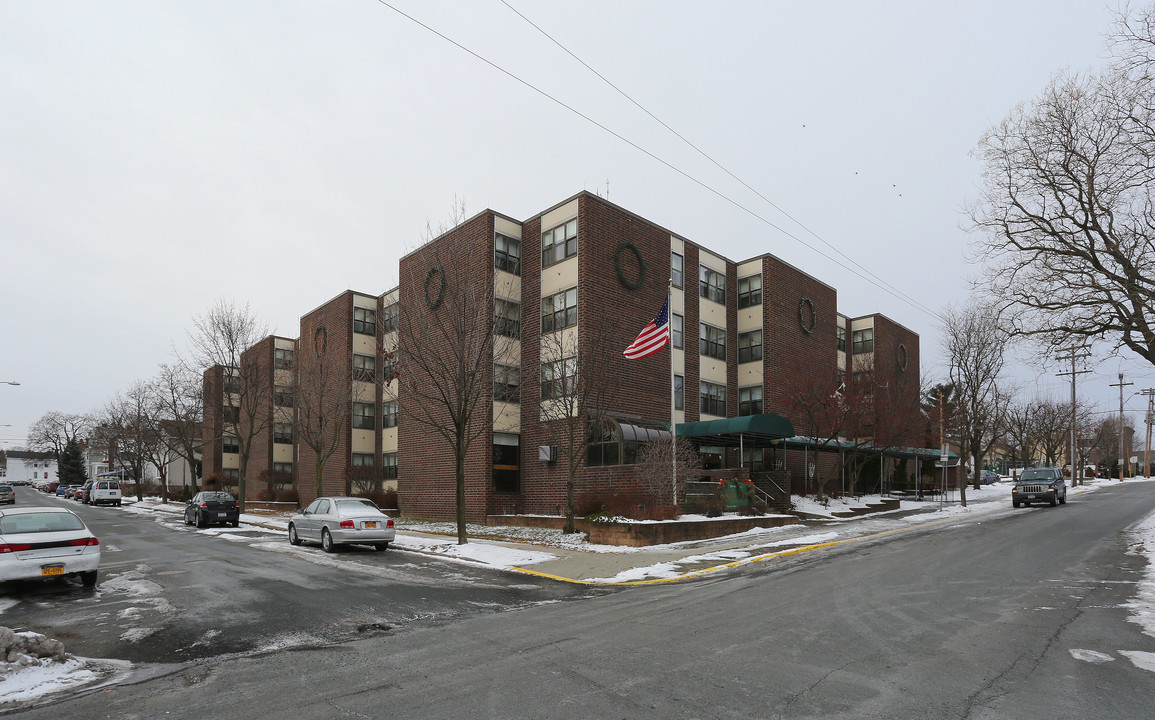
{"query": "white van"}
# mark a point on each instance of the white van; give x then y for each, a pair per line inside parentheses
(105, 492)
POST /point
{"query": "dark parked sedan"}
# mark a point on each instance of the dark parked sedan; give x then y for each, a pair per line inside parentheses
(212, 508)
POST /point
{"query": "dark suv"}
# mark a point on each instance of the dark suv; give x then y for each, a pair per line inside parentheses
(1040, 485)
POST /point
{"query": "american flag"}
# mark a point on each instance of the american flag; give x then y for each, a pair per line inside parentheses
(653, 336)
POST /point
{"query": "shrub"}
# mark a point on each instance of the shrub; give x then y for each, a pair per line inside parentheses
(186, 493)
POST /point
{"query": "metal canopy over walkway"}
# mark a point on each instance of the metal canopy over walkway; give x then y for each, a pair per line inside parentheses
(765, 430)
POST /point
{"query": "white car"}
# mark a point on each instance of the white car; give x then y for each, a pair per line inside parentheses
(105, 492)
(46, 542)
(334, 521)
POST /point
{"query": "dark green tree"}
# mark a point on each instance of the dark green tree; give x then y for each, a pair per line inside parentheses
(70, 465)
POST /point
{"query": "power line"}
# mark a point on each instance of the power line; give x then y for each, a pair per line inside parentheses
(666, 163)
(893, 290)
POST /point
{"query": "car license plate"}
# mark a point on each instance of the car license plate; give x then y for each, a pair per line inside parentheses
(47, 570)
(370, 524)
(1030, 497)
(222, 515)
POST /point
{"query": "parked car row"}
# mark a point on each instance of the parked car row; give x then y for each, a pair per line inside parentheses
(93, 492)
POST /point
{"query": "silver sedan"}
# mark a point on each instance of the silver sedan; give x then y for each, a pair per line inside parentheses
(334, 521)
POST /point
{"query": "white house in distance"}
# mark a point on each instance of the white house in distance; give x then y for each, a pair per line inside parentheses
(30, 466)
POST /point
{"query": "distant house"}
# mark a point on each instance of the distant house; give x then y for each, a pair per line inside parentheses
(31, 466)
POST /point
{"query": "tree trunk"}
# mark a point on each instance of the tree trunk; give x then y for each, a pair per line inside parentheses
(459, 474)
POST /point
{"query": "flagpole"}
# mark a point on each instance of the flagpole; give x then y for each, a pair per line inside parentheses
(673, 398)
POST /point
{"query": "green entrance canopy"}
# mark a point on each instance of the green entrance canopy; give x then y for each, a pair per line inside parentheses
(750, 430)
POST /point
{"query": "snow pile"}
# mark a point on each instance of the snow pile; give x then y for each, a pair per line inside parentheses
(34, 665)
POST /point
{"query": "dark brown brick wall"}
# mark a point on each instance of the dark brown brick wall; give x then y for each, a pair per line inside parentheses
(333, 344)
(261, 452)
(213, 424)
(426, 482)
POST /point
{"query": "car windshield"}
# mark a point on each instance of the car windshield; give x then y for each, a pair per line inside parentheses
(39, 523)
(1037, 475)
(355, 506)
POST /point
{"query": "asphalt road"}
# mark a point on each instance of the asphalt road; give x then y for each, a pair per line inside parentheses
(168, 593)
(959, 619)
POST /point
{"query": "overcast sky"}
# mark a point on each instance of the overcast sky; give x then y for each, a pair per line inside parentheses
(155, 157)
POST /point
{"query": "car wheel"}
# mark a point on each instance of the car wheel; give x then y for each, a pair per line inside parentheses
(201, 520)
(381, 547)
(118, 503)
(293, 539)
(1015, 503)
(327, 541)
(236, 523)
(1054, 501)
(186, 520)
(1063, 500)
(88, 578)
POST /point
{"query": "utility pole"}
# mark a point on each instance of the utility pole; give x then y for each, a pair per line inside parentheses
(943, 452)
(1073, 355)
(1122, 458)
(1150, 393)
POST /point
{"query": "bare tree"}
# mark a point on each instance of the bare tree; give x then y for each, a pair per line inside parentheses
(655, 466)
(577, 388)
(1020, 431)
(1066, 213)
(54, 430)
(179, 411)
(975, 345)
(447, 346)
(129, 430)
(1051, 428)
(220, 337)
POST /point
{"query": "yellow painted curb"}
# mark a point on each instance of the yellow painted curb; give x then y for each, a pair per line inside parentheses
(729, 565)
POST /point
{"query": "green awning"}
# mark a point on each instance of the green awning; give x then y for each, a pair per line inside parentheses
(750, 430)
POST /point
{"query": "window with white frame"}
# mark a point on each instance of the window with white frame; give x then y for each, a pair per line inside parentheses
(750, 346)
(711, 284)
(389, 318)
(558, 379)
(389, 466)
(364, 321)
(712, 341)
(713, 399)
(389, 413)
(559, 311)
(749, 291)
(507, 253)
(363, 416)
(862, 341)
(677, 330)
(559, 243)
(677, 269)
(750, 400)
(507, 318)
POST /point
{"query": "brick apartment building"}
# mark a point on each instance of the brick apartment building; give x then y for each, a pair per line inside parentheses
(748, 337)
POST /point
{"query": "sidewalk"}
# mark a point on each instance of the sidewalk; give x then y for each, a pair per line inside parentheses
(568, 558)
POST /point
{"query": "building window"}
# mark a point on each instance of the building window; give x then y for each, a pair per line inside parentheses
(559, 311)
(283, 397)
(750, 346)
(712, 341)
(507, 254)
(231, 414)
(679, 392)
(617, 443)
(361, 460)
(364, 367)
(389, 466)
(507, 383)
(365, 321)
(283, 469)
(506, 462)
(713, 399)
(389, 414)
(282, 358)
(750, 400)
(389, 318)
(677, 330)
(842, 338)
(754, 459)
(677, 274)
(388, 367)
(233, 384)
(230, 444)
(230, 473)
(507, 318)
(559, 243)
(363, 416)
(862, 341)
(749, 291)
(558, 379)
(711, 284)
(283, 433)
